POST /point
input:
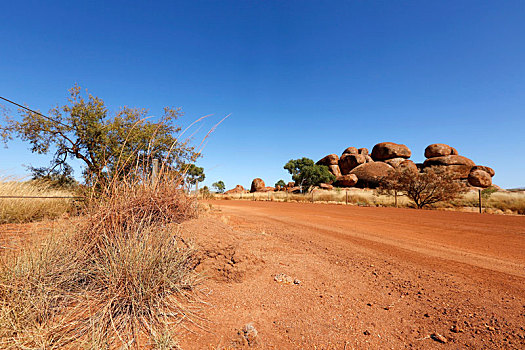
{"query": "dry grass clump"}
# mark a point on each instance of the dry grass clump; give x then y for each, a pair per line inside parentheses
(504, 201)
(13, 210)
(119, 278)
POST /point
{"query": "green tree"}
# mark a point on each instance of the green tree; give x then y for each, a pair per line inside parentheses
(280, 183)
(306, 173)
(193, 174)
(219, 186)
(108, 145)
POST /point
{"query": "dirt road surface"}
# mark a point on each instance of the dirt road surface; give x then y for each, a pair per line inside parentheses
(370, 278)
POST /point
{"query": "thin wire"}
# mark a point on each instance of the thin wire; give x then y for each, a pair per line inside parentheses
(19, 105)
(43, 197)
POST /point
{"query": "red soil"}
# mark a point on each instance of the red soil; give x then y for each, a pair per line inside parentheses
(371, 278)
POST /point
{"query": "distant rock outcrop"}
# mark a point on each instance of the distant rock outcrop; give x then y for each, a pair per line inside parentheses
(389, 156)
(258, 185)
(237, 189)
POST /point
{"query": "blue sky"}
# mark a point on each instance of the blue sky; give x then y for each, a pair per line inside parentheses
(299, 78)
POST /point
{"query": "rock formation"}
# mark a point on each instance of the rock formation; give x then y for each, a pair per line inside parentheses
(446, 158)
(387, 156)
(237, 189)
(258, 185)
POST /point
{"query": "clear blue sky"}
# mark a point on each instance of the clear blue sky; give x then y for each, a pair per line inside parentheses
(300, 78)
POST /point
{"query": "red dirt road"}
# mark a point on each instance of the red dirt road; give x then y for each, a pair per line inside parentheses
(371, 278)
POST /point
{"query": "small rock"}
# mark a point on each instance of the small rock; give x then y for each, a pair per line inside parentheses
(250, 334)
(282, 278)
(369, 304)
(438, 337)
(456, 329)
(426, 315)
(366, 332)
(296, 281)
(490, 328)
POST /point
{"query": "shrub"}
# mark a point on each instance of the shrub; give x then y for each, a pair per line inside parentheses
(423, 188)
(117, 278)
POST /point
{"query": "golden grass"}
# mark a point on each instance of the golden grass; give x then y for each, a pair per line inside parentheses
(356, 196)
(501, 202)
(117, 278)
(13, 210)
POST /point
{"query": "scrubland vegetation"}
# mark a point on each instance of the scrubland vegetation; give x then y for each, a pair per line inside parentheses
(117, 277)
(500, 202)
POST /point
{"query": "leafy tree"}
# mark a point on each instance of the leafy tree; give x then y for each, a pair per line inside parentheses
(425, 188)
(306, 173)
(193, 174)
(296, 166)
(280, 183)
(219, 186)
(107, 144)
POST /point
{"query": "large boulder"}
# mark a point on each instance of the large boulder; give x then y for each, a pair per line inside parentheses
(490, 171)
(368, 159)
(346, 180)
(331, 159)
(438, 150)
(363, 151)
(350, 161)
(257, 185)
(290, 184)
(370, 174)
(351, 150)
(456, 171)
(449, 160)
(237, 189)
(389, 150)
(479, 178)
(334, 169)
(408, 165)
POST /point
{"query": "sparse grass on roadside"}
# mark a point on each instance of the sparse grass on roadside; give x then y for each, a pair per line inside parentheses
(119, 278)
(20, 210)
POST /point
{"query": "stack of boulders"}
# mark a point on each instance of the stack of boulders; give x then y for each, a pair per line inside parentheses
(356, 167)
(446, 158)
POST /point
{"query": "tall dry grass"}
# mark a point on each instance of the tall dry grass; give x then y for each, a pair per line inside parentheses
(497, 202)
(20, 210)
(118, 278)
